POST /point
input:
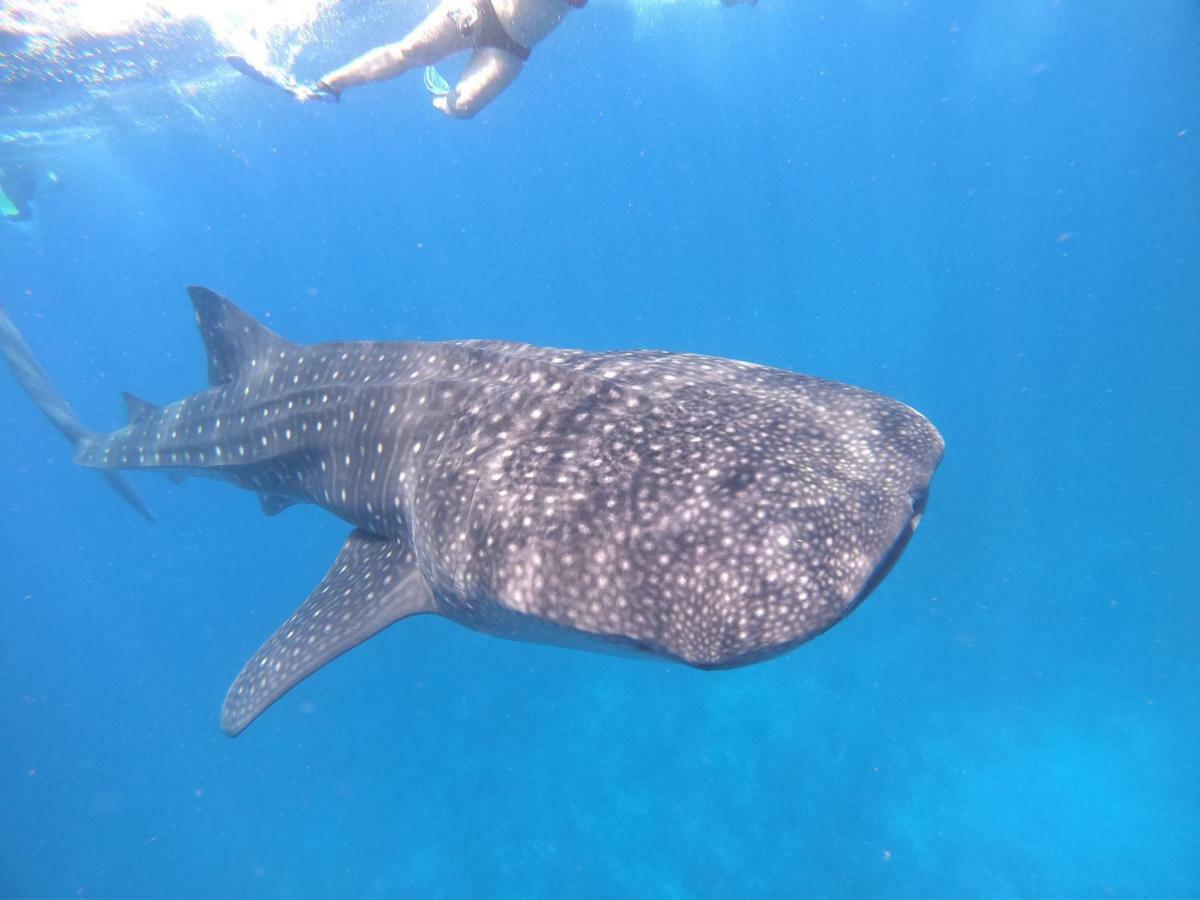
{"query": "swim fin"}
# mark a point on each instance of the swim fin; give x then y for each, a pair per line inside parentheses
(435, 83)
(8, 209)
(272, 77)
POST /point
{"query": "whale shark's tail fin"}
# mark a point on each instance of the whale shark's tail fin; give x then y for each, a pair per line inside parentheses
(33, 378)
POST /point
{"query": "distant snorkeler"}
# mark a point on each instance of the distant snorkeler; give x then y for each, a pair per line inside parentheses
(18, 187)
(501, 33)
(20, 183)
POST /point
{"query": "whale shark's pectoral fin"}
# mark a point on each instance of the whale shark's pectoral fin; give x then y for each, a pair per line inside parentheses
(373, 583)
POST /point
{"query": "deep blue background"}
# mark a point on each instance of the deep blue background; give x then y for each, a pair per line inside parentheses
(990, 213)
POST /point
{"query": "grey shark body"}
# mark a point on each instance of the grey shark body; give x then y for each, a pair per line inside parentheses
(707, 511)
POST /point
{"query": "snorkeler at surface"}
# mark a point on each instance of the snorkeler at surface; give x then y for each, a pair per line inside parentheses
(500, 32)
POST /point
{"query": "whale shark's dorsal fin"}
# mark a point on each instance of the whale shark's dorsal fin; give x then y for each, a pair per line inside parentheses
(233, 339)
(137, 409)
(373, 583)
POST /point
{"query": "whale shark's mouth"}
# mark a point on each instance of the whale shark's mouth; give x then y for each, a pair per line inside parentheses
(878, 574)
(888, 560)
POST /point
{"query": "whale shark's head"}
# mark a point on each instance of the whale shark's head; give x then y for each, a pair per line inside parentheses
(715, 520)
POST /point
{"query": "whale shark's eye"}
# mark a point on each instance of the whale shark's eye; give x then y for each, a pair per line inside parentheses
(739, 479)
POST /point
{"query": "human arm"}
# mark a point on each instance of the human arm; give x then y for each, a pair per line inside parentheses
(379, 64)
(438, 36)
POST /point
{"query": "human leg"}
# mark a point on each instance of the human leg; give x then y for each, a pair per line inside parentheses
(488, 72)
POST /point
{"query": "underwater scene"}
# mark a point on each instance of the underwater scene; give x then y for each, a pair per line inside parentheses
(671, 448)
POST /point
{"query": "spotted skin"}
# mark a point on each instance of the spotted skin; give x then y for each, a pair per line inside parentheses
(707, 511)
(373, 583)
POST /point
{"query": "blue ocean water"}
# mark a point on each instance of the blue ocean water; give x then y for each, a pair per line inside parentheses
(988, 211)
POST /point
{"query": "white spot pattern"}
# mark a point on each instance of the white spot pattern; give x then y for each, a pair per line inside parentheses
(701, 509)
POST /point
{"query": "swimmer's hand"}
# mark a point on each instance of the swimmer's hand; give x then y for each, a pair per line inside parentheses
(320, 92)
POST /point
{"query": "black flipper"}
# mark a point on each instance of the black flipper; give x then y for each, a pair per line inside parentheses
(235, 342)
(271, 77)
(373, 583)
(279, 78)
(33, 378)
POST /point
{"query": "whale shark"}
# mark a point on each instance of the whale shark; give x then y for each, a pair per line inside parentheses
(690, 508)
